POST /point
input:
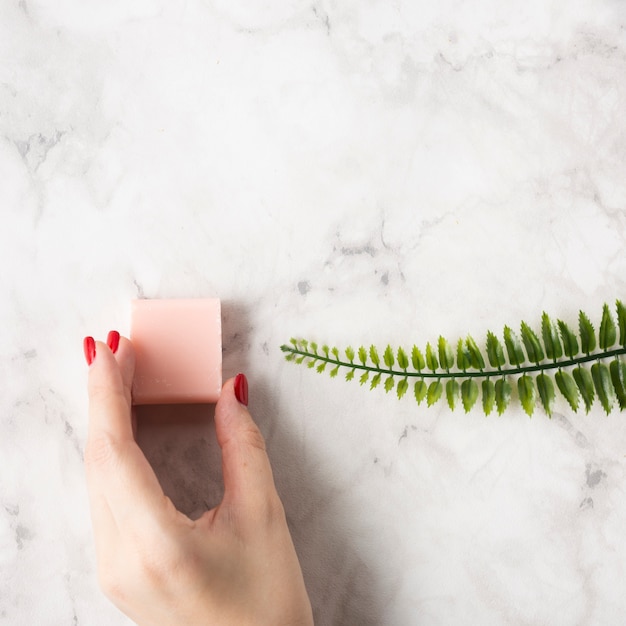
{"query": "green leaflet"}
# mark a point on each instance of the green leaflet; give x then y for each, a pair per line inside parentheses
(526, 391)
(584, 382)
(618, 378)
(531, 342)
(503, 394)
(621, 322)
(463, 357)
(431, 359)
(604, 386)
(587, 334)
(545, 386)
(568, 388)
(417, 359)
(402, 388)
(452, 392)
(476, 358)
(608, 332)
(489, 395)
(495, 353)
(446, 357)
(420, 390)
(550, 336)
(513, 347)
(469, 394)
(435, 389)
(403, 360)
(570, 343)
(388, 357)
(584, 366)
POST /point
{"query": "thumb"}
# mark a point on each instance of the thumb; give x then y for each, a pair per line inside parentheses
(248, 479)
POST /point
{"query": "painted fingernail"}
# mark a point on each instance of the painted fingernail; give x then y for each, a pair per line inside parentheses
(241, 389)
(89, 347)
(113, 340)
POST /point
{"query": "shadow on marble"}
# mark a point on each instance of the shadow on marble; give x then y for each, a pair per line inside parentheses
(180, 444)
(341, 581)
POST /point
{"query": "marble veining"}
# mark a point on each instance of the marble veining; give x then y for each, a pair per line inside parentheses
(355, 172)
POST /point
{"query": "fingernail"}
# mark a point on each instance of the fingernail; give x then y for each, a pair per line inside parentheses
(89, 347)
(241, 389)
(113, 340)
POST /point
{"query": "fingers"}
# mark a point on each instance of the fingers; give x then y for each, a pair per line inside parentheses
(123, 487)
(248, 479)
(109, 386)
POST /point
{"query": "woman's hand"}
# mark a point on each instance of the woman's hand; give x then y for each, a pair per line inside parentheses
(235, 565)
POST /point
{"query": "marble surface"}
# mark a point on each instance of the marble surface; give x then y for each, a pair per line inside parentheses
(354, 172)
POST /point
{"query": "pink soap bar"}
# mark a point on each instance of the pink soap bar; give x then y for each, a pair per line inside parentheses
(178, 348)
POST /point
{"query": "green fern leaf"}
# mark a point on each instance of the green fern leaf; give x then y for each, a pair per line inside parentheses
(495, 353)
(568, 388)
(513, 347)
(608, 333)
(527, 395)
(469, 393)
(550, 336)
(621, 321)
(618, 378)
(362, 355)
(489, 395)
(570, 343)
(587, 334)
(446, 356)
(417, 359)
(475, 356)
(584, 382)
(531, 342)
(435, 390)
(452, 393)
(545, 386)
(389, 383)
(503, 394)
(448, 369)
(403, 360)
(374, 358)
(420, 390)
(402, 388)
(463, 357)
(388, 357)
(603, 385)
(431, 359)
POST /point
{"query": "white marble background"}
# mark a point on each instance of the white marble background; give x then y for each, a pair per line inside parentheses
(350, 172)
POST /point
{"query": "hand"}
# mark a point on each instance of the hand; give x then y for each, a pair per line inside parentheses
(235, 565)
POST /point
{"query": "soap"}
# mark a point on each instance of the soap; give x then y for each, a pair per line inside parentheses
(178, 350)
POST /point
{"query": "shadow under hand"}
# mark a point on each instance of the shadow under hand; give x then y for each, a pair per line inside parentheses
(341, 581)
(180, 444)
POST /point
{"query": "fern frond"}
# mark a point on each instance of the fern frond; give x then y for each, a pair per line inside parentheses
(538, 365)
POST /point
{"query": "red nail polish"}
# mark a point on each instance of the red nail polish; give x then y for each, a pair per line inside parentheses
(113, 341)
(241, 389)
(89, 347)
